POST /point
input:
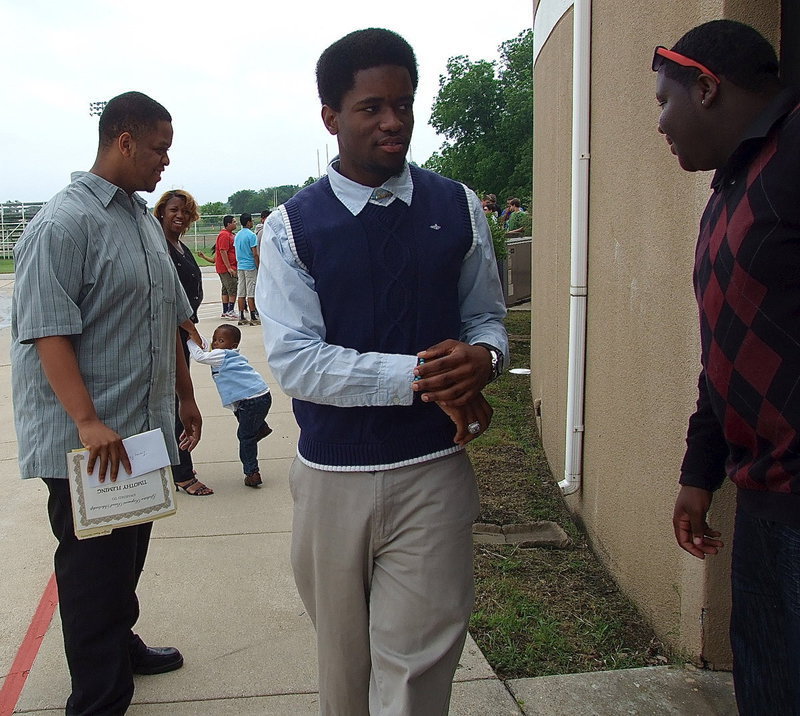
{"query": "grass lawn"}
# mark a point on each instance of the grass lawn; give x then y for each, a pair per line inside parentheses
(6, 265)
(542, 611)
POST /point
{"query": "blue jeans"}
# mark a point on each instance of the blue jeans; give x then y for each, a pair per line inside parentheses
(765, 619)
(251, 414)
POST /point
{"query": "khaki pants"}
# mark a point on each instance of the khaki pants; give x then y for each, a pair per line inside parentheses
(383, 564)
(246, 287)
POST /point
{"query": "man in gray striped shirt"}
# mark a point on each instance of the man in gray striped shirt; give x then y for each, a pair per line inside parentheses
(94, 316)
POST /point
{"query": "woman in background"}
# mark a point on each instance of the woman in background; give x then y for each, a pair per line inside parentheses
(176, 210)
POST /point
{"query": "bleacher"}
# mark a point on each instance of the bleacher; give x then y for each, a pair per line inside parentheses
(14, 217)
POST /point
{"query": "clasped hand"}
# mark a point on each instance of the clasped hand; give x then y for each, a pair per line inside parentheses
(477, 411)
(453, 376)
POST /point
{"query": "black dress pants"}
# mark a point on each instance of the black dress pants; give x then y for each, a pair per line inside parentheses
(97, 581)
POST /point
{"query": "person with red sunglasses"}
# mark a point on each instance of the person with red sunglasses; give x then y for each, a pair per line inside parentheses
(723, 108)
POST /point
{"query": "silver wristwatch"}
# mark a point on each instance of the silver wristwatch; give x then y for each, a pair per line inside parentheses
(497, 360)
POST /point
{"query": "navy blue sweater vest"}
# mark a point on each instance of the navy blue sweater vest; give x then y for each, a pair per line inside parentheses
(387, 282)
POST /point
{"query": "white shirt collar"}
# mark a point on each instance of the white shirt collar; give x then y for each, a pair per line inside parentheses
(356, 196)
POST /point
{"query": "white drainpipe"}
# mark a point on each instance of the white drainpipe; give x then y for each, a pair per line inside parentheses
(581, 67)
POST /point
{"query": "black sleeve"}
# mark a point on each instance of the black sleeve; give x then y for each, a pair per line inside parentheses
(706, 449)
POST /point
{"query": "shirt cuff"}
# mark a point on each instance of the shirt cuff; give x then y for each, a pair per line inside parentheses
(397, 375)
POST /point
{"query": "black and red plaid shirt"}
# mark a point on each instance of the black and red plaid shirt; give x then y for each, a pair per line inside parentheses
(747, 283)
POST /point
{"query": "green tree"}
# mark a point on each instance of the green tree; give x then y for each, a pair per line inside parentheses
(255, 201)
(280, 194)
(485, 112)
(214, 208)
(245, 200)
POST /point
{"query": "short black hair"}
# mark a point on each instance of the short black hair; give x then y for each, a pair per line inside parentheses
(244, 218)
(730, 49)
(360, 50)
(264, 214)
(232, 331)
(131, 112)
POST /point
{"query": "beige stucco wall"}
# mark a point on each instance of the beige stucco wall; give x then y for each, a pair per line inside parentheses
(764, 15)
(642, 349)
(551, 231)
(642, 343)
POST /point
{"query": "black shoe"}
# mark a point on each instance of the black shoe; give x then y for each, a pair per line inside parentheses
(264, 431)
(155, 659)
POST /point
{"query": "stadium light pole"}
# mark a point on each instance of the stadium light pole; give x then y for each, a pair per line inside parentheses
(96, 108)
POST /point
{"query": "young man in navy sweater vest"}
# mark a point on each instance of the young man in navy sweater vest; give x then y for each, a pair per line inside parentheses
(382, 314)
(723, 108)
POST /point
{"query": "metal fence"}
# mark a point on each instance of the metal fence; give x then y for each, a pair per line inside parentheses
(203, 233)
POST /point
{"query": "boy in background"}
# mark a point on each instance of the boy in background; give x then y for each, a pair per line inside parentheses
(241, 390)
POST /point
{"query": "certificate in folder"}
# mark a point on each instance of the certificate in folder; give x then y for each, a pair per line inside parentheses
(146, 494)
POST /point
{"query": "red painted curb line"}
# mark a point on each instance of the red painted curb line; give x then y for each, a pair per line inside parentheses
(15, 680)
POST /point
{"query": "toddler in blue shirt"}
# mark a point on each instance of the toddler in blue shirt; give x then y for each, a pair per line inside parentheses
(241, 389)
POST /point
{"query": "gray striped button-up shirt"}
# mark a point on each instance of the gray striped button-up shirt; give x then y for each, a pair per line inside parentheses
(93, 265)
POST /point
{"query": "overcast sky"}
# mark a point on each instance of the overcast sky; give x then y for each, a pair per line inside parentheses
(237, 77)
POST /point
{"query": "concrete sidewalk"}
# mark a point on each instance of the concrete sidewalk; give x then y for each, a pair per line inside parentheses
(218, 585)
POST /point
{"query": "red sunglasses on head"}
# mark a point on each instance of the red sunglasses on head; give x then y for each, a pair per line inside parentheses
(683, 60)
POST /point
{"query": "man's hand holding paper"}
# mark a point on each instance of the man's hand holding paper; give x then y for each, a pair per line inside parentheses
(107, 446)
